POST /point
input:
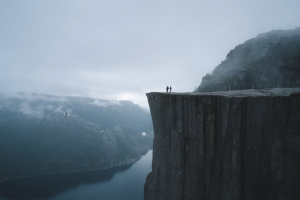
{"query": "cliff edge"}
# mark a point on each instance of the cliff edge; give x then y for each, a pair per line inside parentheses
(225, 145)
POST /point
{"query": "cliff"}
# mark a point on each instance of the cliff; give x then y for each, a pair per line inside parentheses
(271, 60)
(225, 145)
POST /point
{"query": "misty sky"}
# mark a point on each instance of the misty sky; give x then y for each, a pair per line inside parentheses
(121, 49)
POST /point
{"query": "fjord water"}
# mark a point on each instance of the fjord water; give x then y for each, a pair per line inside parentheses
(118, 183)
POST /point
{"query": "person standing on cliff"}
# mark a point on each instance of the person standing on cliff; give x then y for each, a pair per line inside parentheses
(170, 89)
(167, 89)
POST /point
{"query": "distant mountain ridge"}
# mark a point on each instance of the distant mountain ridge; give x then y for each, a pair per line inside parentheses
(271, 60)
(106, 113)
(36, 138)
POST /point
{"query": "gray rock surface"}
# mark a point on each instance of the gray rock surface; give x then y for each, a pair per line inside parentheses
(271, 60)
(225, 145)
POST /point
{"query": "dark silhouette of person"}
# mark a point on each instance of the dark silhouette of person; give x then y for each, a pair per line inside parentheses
(167, 88)
(66, 114)
(170, 89)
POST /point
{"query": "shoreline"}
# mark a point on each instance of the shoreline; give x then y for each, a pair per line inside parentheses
(79, 171)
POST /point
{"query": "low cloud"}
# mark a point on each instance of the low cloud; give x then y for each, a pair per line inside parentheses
(106, 103)
(26, 109)
(34, 105)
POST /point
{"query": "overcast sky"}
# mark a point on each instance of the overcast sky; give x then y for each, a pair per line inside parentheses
(121, 49)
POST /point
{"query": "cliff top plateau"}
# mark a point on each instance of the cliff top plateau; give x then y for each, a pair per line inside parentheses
(239, 93)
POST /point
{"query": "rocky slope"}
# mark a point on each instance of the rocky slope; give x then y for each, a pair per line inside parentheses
(271, 60)
(36, 138)
(225, 145)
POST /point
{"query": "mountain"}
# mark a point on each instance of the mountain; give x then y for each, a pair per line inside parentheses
(271, 60)
(37, 139)
(105, 113)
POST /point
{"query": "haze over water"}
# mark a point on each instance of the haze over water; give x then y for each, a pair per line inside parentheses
(125, 182)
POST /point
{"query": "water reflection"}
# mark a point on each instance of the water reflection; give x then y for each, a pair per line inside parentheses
(51, 185)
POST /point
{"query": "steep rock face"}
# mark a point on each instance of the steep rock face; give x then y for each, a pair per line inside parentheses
(271, 60)
(225, 145)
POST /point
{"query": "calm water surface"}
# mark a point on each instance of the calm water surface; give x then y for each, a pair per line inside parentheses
(118, 183)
